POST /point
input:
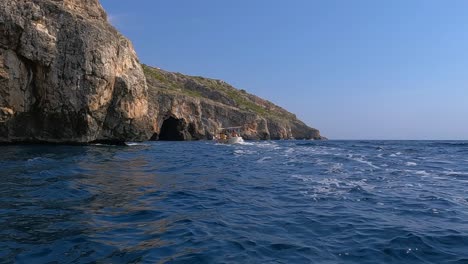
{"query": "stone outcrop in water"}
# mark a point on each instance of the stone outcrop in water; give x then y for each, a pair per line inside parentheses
(66, 75)
(195, 107)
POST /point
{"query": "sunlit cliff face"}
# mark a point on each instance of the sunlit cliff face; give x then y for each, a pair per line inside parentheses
(61, 62)
(91, 8)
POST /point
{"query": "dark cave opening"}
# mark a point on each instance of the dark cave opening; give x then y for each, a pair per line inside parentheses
(172, 129)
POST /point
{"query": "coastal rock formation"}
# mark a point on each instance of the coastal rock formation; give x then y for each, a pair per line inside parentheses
(67, 76)
(192, 107)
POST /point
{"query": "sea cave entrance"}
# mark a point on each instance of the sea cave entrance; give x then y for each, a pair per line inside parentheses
(172, 129)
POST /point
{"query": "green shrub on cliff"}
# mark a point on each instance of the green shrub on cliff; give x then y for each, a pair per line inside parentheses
(215, 90)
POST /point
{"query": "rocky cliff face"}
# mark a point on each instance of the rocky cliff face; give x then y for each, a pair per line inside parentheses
(186, 107)
(66, 75)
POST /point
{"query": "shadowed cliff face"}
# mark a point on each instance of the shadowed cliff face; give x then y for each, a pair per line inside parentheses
(66, 75)
(202, 105)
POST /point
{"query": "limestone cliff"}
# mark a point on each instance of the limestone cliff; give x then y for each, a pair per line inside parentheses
(66, 75)
(186, 107)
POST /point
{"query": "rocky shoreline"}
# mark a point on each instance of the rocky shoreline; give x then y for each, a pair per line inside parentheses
(68, 77)
(199, 106)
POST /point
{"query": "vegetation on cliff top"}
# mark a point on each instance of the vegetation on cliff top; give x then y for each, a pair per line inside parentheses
(166, 82)
(216, 90)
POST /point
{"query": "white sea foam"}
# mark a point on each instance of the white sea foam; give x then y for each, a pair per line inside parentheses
(240, 152)
(267, 144)
(395, 154)
(362, 184)
(335, 168)
(422, 172)
(319, 162)
(301, 177)
(289, 150)
(452, 173)
(409, 163)
(460, 200)
(264, 159)
(330, 182)
(332, 186)
(318, 149)
(131, 144)
(418, 172)
(361, 160)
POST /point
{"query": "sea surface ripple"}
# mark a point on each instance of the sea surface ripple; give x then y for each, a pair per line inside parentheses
(259, 202)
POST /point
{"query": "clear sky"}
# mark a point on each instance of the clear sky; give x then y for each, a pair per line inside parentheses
(355, 69)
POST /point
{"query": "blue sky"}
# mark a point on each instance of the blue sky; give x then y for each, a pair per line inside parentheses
(357, 69)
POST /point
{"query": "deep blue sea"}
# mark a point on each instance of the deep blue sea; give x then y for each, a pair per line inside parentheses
(259, 202)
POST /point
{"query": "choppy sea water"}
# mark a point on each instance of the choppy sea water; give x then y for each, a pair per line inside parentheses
(260, 202)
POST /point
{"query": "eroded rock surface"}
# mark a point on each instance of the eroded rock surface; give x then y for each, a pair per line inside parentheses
(66, 75)
(201, 106)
